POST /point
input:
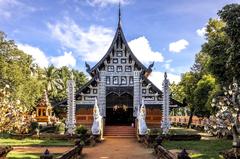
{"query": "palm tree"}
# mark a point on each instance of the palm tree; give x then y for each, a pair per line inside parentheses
(53, 83)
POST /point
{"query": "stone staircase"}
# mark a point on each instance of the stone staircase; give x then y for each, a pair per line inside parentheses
(119, 131)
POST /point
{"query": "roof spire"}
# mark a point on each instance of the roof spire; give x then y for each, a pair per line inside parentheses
(119, 13)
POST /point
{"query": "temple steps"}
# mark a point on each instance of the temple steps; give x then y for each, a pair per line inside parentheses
(119, 131)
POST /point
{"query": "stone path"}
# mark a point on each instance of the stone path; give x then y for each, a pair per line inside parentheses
(118, 148)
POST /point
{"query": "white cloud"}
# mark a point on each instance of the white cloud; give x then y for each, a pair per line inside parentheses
(143, 51)
(157, 78)
(40, 58)
(65, 60)
(103, 3)
(38, 55)
(90, 44)
(178, 46)
(201, 32)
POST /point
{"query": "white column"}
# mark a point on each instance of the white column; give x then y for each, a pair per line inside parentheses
(165, 123)
(102, 94)
(71, 115)
(136, 100)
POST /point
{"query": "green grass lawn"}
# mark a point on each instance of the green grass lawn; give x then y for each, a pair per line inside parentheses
(18, 155)
(203, 149)
(35, 142)
(182, 131)
(32, 142)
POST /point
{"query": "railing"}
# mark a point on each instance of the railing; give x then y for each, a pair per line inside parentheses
(73, 153)
(183, 120)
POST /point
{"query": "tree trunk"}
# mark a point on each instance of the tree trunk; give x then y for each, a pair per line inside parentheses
(190, 119)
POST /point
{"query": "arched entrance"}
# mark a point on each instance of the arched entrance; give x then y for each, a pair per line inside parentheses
(119, 109)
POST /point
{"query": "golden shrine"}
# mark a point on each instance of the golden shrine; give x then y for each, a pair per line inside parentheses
(44, 110)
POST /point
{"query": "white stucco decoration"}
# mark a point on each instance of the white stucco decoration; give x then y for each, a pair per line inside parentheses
(97, 120)
(71, 120)
(165, 123)
(142, 126)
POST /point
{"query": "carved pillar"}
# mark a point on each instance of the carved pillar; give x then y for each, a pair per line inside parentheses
(102, 94)
(165, 124)
(136, 98)
(71, 116)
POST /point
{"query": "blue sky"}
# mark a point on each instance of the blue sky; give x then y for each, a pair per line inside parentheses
(69, 32)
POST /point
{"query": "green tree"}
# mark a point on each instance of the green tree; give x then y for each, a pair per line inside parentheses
(206, 88)
(189, 82)
(20, 89)
(230, 14)
(15, 71)
(216, 47)
(178, 94)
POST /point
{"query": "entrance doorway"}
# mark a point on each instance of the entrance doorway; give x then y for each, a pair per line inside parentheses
(119, 109)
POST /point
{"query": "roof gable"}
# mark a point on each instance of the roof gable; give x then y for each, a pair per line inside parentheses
(119, 35)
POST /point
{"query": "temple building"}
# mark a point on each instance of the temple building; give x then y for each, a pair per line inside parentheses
(119, 82)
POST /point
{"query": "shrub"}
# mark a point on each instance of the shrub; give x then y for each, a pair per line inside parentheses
(60, 128)
(82, 130)
(155, 131)
(34, 125)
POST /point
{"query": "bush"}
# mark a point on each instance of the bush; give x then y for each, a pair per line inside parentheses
(34, 125)
(81, 130)
(60, 128)
(155, 131)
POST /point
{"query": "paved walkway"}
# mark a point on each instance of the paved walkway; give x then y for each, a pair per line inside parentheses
(118, 148)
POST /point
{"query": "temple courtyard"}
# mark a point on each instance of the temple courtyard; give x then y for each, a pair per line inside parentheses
(119, 147)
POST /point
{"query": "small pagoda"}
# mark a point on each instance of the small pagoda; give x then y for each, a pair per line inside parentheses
(44, 109)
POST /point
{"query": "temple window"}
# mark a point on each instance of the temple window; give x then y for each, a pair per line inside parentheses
(107, 80)
(124, 80)
(115, 60)
(119, 54)
(128, 68)
(123, 61)
(131, 80)
(115, 80)
(119, 68)
(111, 68)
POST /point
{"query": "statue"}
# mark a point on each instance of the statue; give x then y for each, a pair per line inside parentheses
(97, 120)
(142, 126)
